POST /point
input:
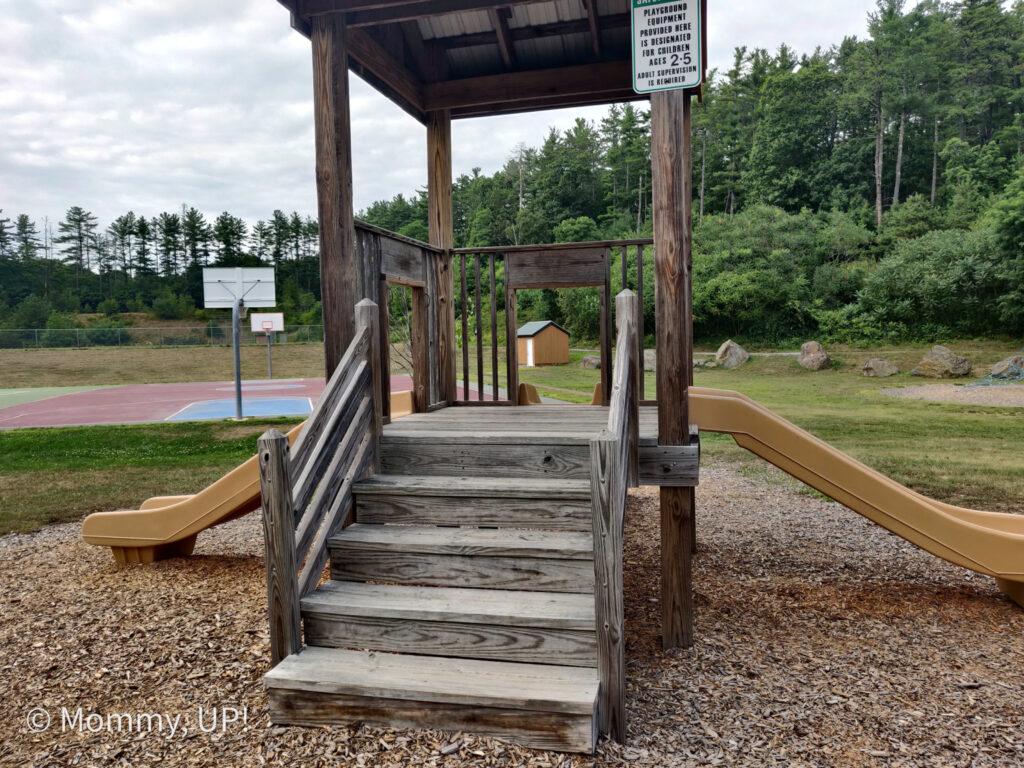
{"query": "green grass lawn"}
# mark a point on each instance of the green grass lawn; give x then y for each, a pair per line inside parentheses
(968, 455)
(60, 474)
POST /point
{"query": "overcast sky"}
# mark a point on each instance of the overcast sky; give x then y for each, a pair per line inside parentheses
(148, 104)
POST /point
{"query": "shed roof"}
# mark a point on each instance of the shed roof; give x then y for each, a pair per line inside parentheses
(535, 327)
(479, 57)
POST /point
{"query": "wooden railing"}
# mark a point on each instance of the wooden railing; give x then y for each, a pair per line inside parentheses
(495, 274)
(614, 468)
(306, 490)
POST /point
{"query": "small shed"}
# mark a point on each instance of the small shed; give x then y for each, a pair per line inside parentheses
(543, 342)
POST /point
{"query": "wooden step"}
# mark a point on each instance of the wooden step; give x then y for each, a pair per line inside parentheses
(545, 561)
(541, 706)
(423, 500)
(538, 503)
(483, 488)
(478, 457)
(504, 625)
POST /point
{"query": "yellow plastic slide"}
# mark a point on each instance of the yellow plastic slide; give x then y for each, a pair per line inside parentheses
(987, 542)
(166, 526)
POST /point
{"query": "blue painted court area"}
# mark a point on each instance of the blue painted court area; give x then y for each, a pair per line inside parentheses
(251, 406)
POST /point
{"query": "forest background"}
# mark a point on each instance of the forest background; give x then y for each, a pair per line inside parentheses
(871, 191)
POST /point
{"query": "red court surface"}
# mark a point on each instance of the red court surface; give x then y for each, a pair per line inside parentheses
(147, 403)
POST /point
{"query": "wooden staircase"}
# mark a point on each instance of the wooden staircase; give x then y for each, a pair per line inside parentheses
(465, 591)
(491, 577)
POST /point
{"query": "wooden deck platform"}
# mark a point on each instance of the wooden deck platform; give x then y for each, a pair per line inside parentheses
(571, 424)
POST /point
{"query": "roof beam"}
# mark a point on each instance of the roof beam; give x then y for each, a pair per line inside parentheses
(576, 26)
(418, 9)
(499, 20)
(555, 102)
(377, 66)
(592, 80)
(595, 28)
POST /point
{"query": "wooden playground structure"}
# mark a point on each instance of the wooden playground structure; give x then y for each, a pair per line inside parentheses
(475, 544)
(538, 493)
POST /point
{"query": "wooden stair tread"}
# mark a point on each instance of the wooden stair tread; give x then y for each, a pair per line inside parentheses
(517, 608)
(438, 679)
(411, 434)
(482, 487)
(486, 542)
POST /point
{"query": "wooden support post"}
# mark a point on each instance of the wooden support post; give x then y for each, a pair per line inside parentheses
(670, 177)
(420, 351)
(606, 332)
(367, 316)
(279, 546)
(385, 350)
(339, 278)
(511, 343)
(441, 228)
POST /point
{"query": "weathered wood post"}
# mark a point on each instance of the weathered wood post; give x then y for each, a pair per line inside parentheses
(442, 234)
(279, 546)
(338, 269)
(670, 178)
(367, 316)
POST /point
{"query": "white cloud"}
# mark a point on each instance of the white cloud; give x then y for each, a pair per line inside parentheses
(148, 104)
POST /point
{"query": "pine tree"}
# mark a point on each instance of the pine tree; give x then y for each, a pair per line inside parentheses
(229, 235)
(77, 233)
(6, 237)
(168, 242)
(260, 240)
(195, 235)
(26, 238)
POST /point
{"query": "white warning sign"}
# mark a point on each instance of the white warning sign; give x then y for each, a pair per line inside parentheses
(666, 45)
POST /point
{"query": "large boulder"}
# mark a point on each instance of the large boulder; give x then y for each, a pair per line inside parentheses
(942, 363)
(1010, 368)
(731, 355)
(591, 361)
(650, 360)
(879, 368)
(813, 356)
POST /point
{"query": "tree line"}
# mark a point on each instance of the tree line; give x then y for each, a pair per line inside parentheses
(860, 191)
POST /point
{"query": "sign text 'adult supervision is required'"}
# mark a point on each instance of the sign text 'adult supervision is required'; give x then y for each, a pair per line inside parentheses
(666, 45)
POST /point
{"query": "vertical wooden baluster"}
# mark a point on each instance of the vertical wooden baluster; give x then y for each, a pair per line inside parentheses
(465, 330)
(479, 336)
(494, 335)
(625, 276)
(640, 318)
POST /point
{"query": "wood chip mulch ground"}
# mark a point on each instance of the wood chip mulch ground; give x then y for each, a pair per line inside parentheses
(821, 641)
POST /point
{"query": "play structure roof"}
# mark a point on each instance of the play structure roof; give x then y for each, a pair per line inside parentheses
(476, 57)
(536, 326)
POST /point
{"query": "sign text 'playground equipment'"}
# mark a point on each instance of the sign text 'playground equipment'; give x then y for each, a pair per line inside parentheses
(667, 45)
(267, 323)
(238, 288)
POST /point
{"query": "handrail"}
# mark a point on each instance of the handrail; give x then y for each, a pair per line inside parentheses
(523, 267)
(306, 491)
(614, 467)
(554, 246)
(360, 224)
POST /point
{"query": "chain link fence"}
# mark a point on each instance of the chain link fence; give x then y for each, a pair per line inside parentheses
(211, 334)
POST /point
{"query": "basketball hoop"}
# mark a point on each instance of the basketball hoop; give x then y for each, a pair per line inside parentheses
(268, 326)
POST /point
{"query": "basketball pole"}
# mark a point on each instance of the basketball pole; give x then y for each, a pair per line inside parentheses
(238, 358)
(270, 366)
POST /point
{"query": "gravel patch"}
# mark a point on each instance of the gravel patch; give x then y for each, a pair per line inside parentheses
(1000, 394)
(821, 640)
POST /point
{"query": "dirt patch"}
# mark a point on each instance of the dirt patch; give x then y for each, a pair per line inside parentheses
(821, 640)
(1011, 395)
